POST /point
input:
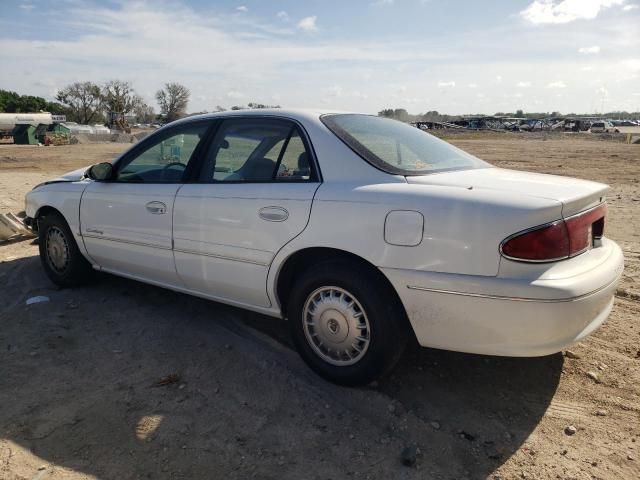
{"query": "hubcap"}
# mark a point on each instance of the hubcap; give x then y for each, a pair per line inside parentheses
(336, 326)
(57, 249)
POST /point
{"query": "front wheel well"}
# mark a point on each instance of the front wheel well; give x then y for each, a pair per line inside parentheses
(43, 212)
(303, 259)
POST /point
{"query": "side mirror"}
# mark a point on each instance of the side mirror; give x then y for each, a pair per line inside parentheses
(100, 172)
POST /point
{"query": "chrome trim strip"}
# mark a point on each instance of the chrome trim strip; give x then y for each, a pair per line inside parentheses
(189, 252)
(129, 242)
(223, 257)
(513, 299)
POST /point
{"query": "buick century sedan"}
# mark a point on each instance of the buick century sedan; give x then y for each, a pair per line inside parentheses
(361, 231)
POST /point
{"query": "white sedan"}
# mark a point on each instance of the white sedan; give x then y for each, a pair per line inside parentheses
(360, 231)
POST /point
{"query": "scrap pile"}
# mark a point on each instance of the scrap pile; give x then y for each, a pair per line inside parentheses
(12, 228)
(53, 138)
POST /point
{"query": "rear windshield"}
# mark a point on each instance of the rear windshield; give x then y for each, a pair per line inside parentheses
(398, 148)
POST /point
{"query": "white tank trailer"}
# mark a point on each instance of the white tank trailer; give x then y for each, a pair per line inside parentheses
(25, 127)
(9, 120)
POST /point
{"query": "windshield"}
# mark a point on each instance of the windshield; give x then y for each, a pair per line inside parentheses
(398, 148)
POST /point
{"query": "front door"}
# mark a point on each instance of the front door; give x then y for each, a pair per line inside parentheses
(253, 194)
(126, 222)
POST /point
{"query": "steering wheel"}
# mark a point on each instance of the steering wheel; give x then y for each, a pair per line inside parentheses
(174, 164)
(166, 168)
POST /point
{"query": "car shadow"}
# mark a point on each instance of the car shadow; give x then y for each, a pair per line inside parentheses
(124, 380)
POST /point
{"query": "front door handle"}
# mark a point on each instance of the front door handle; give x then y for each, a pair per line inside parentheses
(157, 208)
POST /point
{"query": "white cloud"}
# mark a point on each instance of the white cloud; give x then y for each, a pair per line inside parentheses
(523, 84)
(587, 68)
(626, 8)
(557, 84)
(632, 64)
(359, 94)
(565, 11)
(27, 6)
(235, 95)
(282, 15)
(335, 91)
(301, 68)
(589, 50)
(308, 24)
(242, 8)
(380, 3)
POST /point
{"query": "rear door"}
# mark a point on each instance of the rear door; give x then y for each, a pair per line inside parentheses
(126, 223)
(252, 195)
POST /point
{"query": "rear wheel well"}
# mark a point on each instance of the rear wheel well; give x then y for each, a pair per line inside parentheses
(303, 259)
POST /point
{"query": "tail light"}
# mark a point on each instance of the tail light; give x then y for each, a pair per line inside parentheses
(558, 240)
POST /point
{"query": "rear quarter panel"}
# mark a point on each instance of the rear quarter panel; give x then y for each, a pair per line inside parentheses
(462, 228)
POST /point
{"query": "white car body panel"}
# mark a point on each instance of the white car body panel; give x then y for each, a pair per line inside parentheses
(240, 228)
(574, 194)
(63, 196)
(122, 235)
(457, 237)
(505, 317)
(435, 237)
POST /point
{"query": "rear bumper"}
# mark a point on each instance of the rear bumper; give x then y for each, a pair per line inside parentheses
(507, 316)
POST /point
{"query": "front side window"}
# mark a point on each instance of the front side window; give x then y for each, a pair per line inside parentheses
(257, 150)
(165, 159)
(398, 148)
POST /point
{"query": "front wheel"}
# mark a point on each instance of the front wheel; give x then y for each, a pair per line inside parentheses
(59, 253)
(346, 322)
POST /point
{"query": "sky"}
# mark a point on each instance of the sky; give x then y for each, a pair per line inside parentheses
(451, 56)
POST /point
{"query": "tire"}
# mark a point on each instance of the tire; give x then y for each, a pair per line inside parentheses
(329, 304)
(59, 253)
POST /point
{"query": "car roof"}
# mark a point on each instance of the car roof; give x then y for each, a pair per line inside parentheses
(299, 114)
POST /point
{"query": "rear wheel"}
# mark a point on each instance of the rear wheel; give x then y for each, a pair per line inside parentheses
(59, 253)
(346, 322)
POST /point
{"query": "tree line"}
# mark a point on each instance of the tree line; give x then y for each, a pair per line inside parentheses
(90, 103)
(433, 116)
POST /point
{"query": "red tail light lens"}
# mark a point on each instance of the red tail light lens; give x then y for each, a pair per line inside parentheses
(541, 245)
(586, 227)
(558, 240)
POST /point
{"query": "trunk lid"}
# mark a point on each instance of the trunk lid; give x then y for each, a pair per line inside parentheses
(575, 195)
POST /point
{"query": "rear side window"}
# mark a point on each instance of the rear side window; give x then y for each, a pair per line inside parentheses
(257, 150)
(398, 148)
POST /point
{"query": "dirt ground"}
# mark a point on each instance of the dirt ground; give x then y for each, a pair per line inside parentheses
(79, 393)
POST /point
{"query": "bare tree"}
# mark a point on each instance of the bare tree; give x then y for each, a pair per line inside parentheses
(120, 97)
(173, 100)
(145, 113)
(84, 100)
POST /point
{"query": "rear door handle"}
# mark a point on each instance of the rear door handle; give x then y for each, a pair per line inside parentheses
(157, 208)
(273, 214)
